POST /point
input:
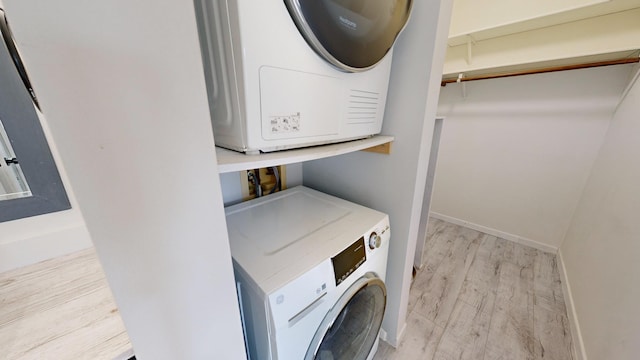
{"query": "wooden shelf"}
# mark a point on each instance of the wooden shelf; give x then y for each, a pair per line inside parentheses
(231, 161)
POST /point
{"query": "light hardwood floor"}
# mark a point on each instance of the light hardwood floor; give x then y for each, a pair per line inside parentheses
(481, 297)
(60, 309)
(476, 297)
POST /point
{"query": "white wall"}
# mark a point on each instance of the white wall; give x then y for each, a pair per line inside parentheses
(395, 183)
(601, 252)
(30, 240)
(121, 83)
(516, 152)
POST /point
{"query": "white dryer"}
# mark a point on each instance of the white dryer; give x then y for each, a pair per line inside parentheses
(310, 272)
(285, 74)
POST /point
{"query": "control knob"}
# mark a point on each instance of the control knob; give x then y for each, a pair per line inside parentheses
(374, 241)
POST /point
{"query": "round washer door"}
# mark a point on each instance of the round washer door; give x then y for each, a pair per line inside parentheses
(353, 35)
(351, 327)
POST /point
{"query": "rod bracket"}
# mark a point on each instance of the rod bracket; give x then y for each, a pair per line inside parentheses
(464, 85)
(470, 42)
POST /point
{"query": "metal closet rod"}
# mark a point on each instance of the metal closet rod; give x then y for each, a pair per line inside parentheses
(542, 70)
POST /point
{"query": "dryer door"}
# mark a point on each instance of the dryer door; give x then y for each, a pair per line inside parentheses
(353, 35)
(351, 327)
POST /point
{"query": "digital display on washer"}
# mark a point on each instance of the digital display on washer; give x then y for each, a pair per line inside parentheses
(345, 263)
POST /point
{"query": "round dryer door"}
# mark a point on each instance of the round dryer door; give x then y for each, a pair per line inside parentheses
(351, 327)
(353, 35)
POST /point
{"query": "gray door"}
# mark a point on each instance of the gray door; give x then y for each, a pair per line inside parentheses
(353, 35)
(25, 146)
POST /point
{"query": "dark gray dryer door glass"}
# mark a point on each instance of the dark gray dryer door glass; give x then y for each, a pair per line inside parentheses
(353, 35)
(350, 329)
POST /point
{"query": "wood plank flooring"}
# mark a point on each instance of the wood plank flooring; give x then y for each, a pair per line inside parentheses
(60, 309)
(481, 297)
(476, 297)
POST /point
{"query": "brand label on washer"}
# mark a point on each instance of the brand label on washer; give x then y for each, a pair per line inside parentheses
(283, 124)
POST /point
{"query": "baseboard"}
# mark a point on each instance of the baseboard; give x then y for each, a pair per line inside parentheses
(398, 339)
(34, 249)
(576, 335)
(501, 234)
(383, 335)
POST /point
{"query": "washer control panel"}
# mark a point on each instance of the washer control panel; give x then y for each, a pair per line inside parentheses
(345, 263)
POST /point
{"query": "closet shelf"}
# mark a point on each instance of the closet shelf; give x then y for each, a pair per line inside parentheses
(476, 21)
(594, 39)
(231, 161)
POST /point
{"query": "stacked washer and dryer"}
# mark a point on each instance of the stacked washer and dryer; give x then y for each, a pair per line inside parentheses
(309, 267)
(310, 272)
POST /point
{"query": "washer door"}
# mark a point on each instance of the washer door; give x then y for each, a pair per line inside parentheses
(351, 327)
(353, 35)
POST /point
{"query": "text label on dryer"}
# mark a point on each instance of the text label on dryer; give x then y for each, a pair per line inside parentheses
(348, 22)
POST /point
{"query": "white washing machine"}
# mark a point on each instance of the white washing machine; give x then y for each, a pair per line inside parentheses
(282, 74)
(310, 272)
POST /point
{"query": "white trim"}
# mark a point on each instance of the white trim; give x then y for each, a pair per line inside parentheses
(125, 355)
(501, 234)
(632, 82)
(393, 342)
(576, 335)
(40, 247)
(383, 335)
(400, 335)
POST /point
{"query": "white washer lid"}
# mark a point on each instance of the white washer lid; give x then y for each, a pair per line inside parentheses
(272, 226)
(279, 237)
